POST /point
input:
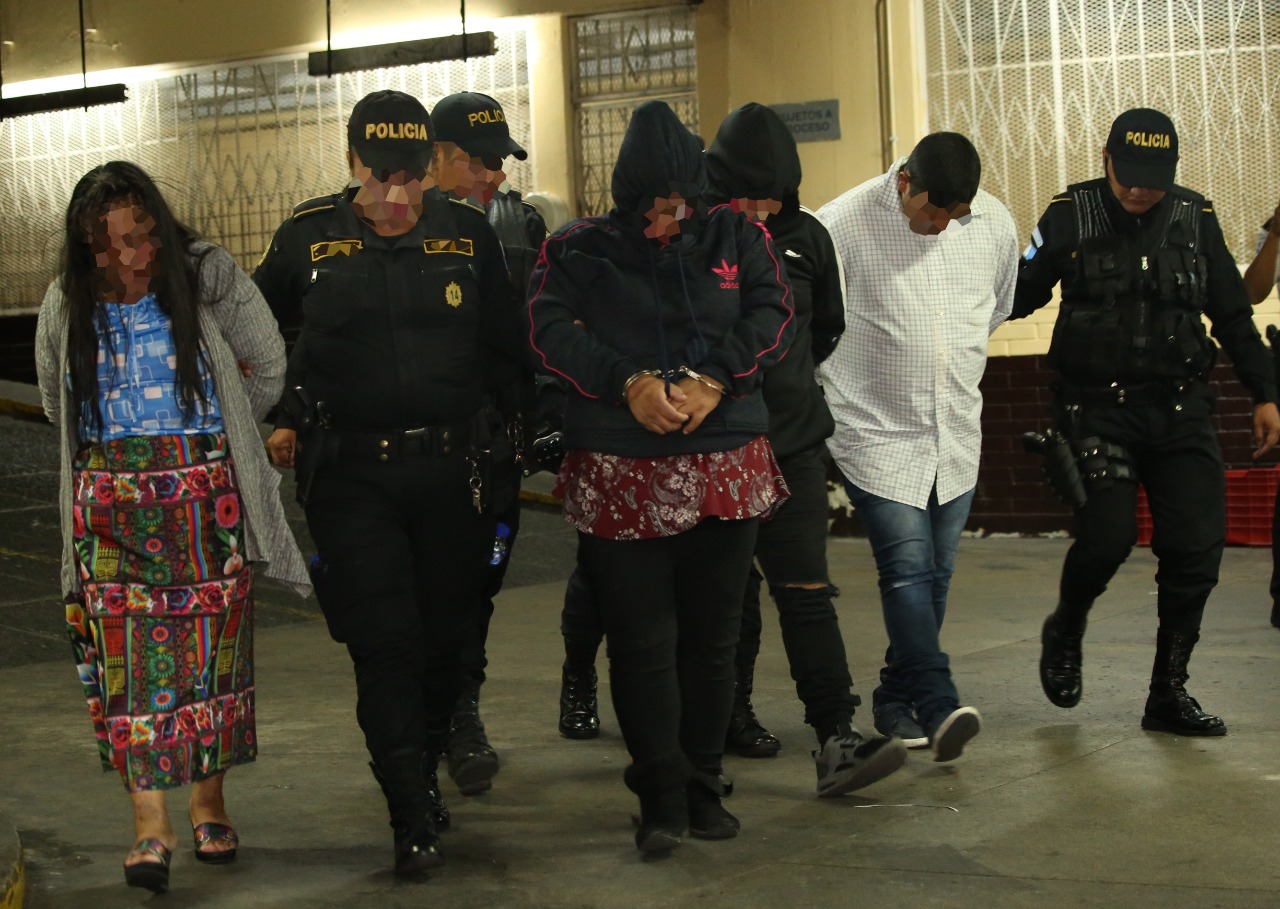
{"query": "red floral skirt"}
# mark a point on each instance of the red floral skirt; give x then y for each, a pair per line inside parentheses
(163, 628)
(620, 498)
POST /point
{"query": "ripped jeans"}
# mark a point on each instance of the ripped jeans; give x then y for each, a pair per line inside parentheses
(915, 553)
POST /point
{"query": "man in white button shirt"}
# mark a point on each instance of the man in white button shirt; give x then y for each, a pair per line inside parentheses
(930, 264)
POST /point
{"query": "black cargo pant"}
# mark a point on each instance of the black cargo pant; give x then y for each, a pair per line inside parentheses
(402, 555)
(1174, 449)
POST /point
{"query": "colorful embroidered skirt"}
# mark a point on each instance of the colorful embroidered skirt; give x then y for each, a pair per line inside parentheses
(163, 632)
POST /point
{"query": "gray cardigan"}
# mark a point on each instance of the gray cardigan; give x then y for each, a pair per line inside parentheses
(235, 325)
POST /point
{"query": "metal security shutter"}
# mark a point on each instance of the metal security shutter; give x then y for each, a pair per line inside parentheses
(233, 148)
(620, 61)
(1036, 83)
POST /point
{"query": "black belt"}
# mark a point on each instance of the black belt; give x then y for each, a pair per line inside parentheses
(1116, 395)
(390, 445)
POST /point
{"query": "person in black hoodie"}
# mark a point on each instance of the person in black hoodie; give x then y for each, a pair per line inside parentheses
(661, 317)
(753, 165)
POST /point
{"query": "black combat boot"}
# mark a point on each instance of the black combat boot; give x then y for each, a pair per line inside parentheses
(746, 736)
(664, 808)
(579, 708)
(439, 810)
(472, 760)
(1169, 707)
(402, 776)
(1060, 659)
(708, 819)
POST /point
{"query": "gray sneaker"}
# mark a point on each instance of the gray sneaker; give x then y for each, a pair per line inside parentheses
(849, 761)
(954, 733)
(898, 720)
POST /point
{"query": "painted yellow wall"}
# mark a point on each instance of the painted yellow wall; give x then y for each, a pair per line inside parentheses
(790, 51)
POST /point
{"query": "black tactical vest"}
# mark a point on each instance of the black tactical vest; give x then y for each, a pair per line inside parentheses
(1131, 307)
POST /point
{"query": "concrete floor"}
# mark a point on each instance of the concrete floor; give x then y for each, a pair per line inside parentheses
(1047, 807)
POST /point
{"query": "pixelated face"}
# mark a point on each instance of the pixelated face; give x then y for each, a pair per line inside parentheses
(665, 216)
(124, 241)
(925, 217)
(1136, 200)
(471, 177)
(756, 209)
(386, 196)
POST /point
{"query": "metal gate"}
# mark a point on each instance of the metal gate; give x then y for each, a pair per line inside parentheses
(1036, 84)
(621, 60)
(233, 149)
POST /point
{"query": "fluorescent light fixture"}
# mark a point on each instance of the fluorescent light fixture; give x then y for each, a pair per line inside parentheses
(63, 100)
(404, 53)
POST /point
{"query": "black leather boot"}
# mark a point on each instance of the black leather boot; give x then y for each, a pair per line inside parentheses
(1169, 707)
(440, 815)
(402, 776)
(708, 819)
(1275, 613)
(579, 708)
(1060, 659)
(664, 809)
(472, 760)
(746, 736)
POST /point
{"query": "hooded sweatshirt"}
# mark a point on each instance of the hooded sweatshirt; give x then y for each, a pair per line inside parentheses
(754, 157)
(606, 302)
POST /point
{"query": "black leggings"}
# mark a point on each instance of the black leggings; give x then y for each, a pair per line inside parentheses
(671, 608)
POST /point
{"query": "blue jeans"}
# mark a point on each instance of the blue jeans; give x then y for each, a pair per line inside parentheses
(915, 552)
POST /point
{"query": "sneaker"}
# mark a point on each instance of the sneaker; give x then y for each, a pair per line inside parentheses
(899, 721)
(849, 761)
(954, 732)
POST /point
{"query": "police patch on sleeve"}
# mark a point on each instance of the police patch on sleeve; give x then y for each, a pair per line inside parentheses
(1037, 240)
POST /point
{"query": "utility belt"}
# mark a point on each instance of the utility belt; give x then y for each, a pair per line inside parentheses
(482, 439)
(1117, 395)
(344, 446)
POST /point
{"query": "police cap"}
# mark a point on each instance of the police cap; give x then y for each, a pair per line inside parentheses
(475, 123)
(390, 130)
(1144, 149)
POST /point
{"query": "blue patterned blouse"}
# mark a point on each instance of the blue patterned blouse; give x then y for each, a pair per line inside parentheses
(137, 378)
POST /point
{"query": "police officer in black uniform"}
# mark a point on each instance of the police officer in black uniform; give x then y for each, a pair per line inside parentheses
(406, 318)
(474, 140)
(1140, 259)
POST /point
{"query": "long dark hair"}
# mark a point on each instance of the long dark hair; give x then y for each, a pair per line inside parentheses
(175, 282)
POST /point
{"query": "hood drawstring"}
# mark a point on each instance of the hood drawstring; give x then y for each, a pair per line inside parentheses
(657, 312)
(700, 347)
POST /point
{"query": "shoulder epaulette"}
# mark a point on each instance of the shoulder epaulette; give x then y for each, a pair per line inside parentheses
(1183, 193)
(466, 204)
(318, 204)
(1063, 197)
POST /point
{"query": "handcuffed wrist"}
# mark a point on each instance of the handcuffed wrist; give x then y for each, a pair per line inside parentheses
(636, 376)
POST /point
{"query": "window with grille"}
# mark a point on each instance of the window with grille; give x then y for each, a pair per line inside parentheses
(1036, 83)
(234, 149)
(622, 60)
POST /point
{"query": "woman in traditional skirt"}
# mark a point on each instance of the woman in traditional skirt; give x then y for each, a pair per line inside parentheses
(157, 356)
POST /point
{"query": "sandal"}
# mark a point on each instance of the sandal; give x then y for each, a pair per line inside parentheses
(210, 832)
(150, 875)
